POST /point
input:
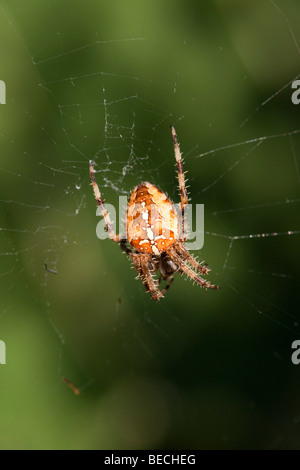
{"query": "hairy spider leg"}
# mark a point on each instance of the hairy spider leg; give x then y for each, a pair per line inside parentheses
(147, 278)
(181, 180)
(183, 267)
(181, 250)
(100, 202)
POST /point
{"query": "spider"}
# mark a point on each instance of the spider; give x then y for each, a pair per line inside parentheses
(154, 242)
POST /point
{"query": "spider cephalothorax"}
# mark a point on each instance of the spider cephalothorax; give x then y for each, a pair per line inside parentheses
(154, 241)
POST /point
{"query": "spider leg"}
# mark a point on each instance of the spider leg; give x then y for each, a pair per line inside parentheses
(100, 202)
(123, 245)
(167, 269)
(183, 267)
(181, 180)
(141, 265)
(148, 281)
(181, 250)
(170, 280)
(137, 265)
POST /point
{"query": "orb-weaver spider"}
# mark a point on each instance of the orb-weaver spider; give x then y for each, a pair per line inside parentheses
(154, 242)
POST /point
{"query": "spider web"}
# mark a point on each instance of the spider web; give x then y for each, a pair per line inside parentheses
(108, 90)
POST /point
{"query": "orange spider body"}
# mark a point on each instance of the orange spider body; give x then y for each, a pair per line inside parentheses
(152, 221)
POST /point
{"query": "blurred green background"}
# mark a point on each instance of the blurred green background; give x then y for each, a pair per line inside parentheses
(104, 81)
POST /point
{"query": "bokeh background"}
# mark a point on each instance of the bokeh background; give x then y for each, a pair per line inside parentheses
(104, 81)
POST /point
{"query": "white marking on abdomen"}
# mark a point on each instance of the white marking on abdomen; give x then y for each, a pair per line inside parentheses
(155, 250)
(160, 236)
(150, 234)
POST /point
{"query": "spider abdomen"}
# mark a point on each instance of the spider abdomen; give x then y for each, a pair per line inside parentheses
(152, 221)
